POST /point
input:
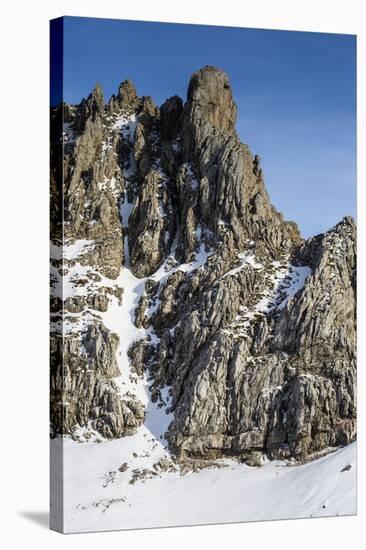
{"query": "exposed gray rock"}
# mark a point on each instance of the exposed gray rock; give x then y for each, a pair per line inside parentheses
(82, 388)
(209, 102)
(90, 109)
(281, 387)
(125, 99)
(252, 327)
(151, 225)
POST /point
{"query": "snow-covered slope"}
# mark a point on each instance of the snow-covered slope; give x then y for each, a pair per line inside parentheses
(98, 496)
(131, 482)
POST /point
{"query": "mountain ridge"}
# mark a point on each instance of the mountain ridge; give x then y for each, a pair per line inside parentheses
(249, 326)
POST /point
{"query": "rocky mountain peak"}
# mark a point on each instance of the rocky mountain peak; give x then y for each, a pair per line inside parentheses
(95, 102)
(248, 327)
(126, 97)
(127, 92)
(97, 95)
(209, 108)
(347, 223)
(210, 100)
(89, 109)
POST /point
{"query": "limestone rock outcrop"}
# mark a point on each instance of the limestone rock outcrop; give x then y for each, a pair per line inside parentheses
(251, 327)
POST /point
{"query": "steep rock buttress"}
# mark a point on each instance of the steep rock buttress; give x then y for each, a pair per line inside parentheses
(251, 327)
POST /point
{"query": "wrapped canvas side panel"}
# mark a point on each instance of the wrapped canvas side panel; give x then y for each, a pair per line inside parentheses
(56, 239)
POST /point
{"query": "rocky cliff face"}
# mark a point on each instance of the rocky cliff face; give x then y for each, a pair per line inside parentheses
(250, 327)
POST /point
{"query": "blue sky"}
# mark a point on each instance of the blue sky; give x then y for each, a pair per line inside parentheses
(295, 92)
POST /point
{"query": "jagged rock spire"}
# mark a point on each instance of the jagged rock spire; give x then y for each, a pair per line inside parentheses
(210, 99)
(96, 98)
(126, 92)
(209, 102)
(232, 190)
(90, 108)
(126, 97)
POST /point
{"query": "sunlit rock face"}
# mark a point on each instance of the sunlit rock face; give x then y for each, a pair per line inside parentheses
(249, 328)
